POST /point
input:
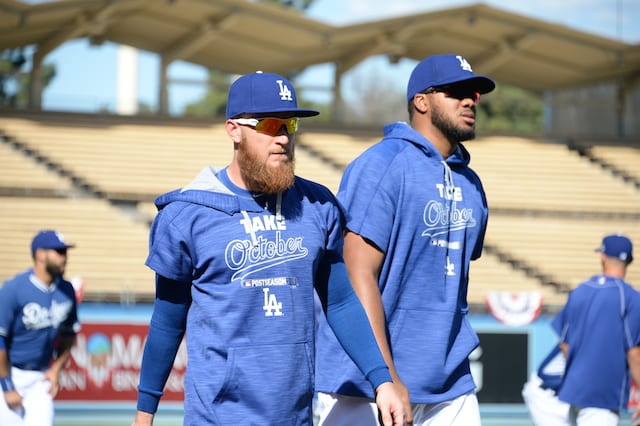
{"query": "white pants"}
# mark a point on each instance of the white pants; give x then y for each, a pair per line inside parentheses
(340, 410)
(37, 402)
(590, 416)
(547, 410)
(544, 406)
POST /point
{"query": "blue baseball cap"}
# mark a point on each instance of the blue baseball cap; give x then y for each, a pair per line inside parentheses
(617, 246)
(49, 239)
(261, 94)
(440, 70)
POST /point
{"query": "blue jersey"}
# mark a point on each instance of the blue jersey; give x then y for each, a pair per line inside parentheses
(600, 322)
(252, 266)
(428, 215)
(32, 315)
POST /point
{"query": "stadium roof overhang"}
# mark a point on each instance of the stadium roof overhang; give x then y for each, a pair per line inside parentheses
(242, 36)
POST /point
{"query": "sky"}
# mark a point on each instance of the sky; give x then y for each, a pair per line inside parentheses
(86, 75)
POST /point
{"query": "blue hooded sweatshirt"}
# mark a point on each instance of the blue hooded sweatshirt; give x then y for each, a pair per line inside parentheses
(428, 216)
(250, 266)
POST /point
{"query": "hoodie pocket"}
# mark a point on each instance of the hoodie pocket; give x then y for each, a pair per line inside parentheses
(267, 384)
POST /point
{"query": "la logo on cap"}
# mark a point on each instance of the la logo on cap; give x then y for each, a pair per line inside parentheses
(285, 92)
(464, 64)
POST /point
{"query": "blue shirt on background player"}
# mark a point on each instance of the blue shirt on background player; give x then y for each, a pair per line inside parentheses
(416, 217)
(38, 325)
(239, 254)
(599, 329)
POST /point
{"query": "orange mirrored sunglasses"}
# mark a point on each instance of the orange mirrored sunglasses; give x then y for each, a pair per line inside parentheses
(270, 126)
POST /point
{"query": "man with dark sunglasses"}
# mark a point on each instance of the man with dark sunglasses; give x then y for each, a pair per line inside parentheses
(239, 254)
(38, 325)
(417, 216)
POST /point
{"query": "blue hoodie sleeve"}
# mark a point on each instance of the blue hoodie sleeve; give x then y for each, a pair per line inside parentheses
(166, 330)
(169, 249)
(350, 324)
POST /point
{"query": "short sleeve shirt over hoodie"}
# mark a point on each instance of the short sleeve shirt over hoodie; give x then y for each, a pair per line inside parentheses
(253, 266)
(428, 215)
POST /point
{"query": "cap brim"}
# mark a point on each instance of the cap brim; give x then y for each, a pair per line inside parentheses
(481, 83)
(284, 113)
(66, 246)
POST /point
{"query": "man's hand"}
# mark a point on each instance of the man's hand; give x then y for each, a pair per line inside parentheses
(143, 419)
(406, 401)
(390, 399)
(53, 377)
(13, 399)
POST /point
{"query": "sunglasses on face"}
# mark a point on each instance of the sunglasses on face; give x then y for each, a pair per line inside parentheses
(270, 126)
(62, 251)
(458, 92)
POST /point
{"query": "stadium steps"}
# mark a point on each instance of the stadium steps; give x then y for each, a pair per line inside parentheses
(78, 182)
(621, 161)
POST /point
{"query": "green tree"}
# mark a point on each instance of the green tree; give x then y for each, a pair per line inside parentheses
(14, 81)
(510, 109)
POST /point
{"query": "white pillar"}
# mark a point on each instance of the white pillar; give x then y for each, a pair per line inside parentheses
(127, 87)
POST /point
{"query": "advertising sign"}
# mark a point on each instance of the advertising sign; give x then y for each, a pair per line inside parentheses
(105, 365)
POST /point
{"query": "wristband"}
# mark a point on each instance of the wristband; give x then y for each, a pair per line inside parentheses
(7, 384)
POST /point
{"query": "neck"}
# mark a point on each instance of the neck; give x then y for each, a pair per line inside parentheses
(43, 276)
(233, 172)
(438, 139)
(614, 269)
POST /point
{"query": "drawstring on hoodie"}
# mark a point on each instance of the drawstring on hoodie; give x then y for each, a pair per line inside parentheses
(279, 217)
(448, 178)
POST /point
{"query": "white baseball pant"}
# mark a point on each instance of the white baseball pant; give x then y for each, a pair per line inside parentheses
(337, 410)
(37, 403)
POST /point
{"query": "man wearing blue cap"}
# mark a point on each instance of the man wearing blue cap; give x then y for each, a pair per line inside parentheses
(416, 218)
(238, 253)
(599, 330)
(38, 325)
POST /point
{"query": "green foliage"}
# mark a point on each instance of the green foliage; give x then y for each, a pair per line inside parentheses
(510, 109)
(14, 82)
(145, 109)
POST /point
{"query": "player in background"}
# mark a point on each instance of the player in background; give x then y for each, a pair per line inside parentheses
(238, 253)
(417, 215)
(599, 330)
(38, 325)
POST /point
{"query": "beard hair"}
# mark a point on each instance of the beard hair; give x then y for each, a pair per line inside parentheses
(259, 177)
(54, 270)
(453, 133)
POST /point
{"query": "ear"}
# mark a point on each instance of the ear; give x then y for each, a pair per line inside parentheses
(420, 103)
(233, 130)
(37, 254)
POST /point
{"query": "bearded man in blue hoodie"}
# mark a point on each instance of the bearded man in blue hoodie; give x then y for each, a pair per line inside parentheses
(238, 253)
(417, 215)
